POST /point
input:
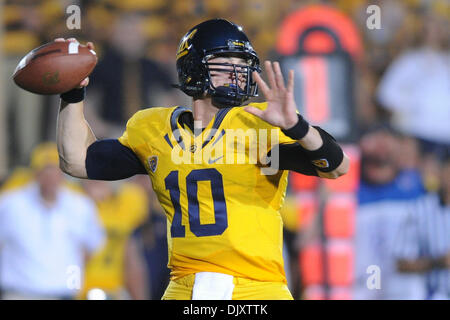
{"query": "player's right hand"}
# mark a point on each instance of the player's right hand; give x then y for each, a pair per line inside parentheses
(90, 45)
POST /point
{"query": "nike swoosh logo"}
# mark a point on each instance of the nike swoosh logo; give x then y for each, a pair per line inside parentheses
(211, 161)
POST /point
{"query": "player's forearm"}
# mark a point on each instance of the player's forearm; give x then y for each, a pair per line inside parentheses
(313, 141)
(73, 138)
(339, 171)
(325, 154)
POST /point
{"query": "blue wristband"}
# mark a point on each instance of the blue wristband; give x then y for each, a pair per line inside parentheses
(298, 131)
(74, 95)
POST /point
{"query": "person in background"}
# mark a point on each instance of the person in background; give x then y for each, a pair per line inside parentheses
(415, 90)
(125, 79)
(146, 257)
(18, 177)
(21, 176)
(47, 231)
(423, 246)
(26, 25)
(388, 183)
(121, 207)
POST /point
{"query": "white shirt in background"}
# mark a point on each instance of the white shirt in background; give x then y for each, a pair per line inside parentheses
(42, 248)
(416, 88)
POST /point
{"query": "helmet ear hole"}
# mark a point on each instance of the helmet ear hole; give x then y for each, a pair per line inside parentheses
(192, 75)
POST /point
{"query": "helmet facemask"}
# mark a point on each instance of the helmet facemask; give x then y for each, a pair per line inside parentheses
(241, 85)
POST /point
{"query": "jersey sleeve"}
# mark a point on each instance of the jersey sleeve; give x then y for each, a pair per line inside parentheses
(124, 140)
(132, 123)
(116, 159)
(110, 160)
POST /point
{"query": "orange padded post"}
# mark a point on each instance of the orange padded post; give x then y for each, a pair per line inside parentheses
(314, 293)
(311, 265)
(340, 293)
(306, 208)
(350, 181)
(340, 259)
(300, 182)
(340, 213)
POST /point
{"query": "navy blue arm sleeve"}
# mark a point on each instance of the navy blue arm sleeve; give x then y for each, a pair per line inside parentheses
(293, 157)
(110, 160)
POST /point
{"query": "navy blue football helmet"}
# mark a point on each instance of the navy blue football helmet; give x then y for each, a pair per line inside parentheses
(210, 39)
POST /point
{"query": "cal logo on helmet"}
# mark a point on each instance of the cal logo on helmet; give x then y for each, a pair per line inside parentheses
(183, 49)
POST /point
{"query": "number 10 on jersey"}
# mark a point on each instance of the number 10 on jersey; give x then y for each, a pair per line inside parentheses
(177, 230)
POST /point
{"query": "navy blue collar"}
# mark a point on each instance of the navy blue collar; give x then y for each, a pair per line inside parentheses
(176, 117)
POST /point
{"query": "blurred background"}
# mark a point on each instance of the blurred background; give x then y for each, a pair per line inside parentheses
(375, 74)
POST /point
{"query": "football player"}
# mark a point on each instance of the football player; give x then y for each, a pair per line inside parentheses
(224, 226)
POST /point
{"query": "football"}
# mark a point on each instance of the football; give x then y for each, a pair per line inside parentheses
(55, 67)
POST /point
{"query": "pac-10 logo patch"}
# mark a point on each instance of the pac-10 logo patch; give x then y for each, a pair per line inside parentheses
(153, 163)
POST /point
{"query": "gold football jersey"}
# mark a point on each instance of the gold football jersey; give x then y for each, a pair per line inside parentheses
(222, 206)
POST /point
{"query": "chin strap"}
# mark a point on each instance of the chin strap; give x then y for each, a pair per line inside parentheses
(227, 96)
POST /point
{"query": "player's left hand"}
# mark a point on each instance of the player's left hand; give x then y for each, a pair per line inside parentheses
(281, 106)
